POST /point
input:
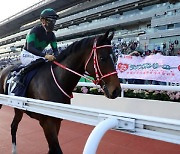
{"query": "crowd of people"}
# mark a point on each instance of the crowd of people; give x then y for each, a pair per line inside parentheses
(133, 48)
(167, 49)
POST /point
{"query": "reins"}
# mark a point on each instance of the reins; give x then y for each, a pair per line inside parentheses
(96, 68)
(70, 70)
(59, 85)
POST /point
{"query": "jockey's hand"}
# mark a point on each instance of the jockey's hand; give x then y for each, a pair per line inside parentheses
(50, 57)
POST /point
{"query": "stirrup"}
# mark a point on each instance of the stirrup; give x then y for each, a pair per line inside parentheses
(18, 81)
(17, 78)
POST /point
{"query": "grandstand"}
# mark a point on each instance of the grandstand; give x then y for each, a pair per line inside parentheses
(151, 22)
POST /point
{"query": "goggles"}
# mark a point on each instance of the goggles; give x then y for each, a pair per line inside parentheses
(50, 20)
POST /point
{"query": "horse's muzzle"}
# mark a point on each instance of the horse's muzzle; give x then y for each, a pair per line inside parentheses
(115, 93)
(111, 94)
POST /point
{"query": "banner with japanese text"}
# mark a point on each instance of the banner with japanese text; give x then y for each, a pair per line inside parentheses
(154, 67)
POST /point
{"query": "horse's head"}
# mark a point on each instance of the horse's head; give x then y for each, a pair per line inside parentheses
(100, 65)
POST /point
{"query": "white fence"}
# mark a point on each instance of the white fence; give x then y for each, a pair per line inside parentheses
(147, 126)
(166, 129)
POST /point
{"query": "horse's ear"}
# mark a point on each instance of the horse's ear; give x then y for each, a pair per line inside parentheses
(106, 34)
(111, 36)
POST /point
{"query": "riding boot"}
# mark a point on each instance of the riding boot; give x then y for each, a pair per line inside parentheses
(20, 75)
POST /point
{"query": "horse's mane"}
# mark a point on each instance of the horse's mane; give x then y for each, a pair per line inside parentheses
(74, 47)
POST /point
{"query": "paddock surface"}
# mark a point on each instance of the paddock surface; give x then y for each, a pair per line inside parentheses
(73, 136)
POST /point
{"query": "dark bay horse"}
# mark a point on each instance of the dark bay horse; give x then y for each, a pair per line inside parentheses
(54, 83)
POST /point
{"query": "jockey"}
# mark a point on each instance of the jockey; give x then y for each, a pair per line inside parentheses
(37, 40)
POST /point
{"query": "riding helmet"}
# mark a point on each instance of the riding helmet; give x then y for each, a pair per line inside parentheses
(49, 13)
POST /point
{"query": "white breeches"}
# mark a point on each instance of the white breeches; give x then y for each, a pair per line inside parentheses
(27, 57)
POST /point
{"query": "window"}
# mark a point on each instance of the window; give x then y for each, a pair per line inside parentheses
(161, 27)
(177, 25)
(170, 26)
(148, 25)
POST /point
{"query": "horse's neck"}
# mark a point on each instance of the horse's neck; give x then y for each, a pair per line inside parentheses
(67, 79)
(76, 62)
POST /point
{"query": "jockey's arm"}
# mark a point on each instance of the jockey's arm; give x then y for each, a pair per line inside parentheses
(54, 46)
(33, 50)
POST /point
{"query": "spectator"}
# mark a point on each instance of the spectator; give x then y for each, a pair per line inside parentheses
(171, 49)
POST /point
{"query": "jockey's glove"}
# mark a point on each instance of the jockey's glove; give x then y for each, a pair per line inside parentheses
(50, 57)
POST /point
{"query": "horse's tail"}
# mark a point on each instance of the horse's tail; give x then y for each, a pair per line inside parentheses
(1, 83)
(3, 77)
(1, 88)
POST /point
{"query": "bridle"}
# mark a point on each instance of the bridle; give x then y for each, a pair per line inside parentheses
(98, 73)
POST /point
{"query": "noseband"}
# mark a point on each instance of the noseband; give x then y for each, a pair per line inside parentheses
(98, 73)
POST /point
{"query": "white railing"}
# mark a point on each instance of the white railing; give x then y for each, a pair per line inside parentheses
(135, 86)
(148, 126)
(97, 134)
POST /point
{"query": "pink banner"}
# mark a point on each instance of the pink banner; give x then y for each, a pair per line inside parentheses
(154, 67)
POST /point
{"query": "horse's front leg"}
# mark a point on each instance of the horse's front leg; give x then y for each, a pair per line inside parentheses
(51, 128)
(14, 126)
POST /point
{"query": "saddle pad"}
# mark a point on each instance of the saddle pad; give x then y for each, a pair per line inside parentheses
(20, 90)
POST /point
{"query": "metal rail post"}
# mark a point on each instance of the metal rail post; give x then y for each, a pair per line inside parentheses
(97, 133)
